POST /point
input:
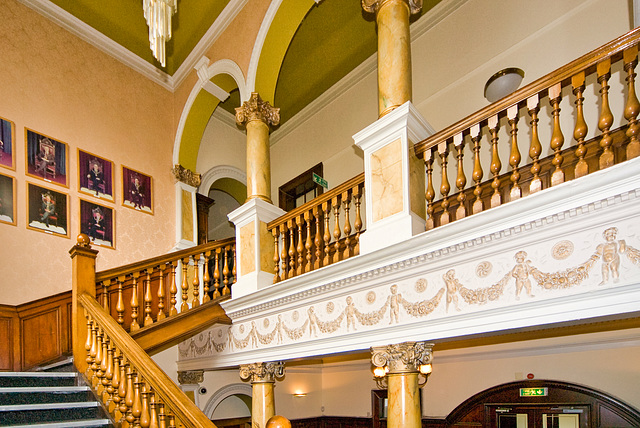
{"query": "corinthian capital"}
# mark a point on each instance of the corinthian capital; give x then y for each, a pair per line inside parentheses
(402, 358)
(372, 6)
(256, 109)
(262, 372)
(186, 175)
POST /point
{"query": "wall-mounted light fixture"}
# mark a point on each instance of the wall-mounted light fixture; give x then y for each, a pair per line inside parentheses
(503, 83)
(299, 394)
(380, 375)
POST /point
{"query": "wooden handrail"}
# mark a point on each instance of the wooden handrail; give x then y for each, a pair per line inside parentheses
(326, 196)
(586, 62)
(155, 261)
(187, 413)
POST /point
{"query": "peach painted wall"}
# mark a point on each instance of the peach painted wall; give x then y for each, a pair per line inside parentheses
(57, 84)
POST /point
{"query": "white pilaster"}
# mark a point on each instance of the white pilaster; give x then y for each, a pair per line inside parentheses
(254, 245)
(406, 126)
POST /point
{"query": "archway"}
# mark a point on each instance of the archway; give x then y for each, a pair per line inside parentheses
(231, 401)
(523, 399)
(227, 186)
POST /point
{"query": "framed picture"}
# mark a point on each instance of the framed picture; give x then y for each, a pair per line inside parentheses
(47, 210)
(47, 159)
(7, 199)
(97, 221)
(137, 190)
(95, 175)
(7, 145)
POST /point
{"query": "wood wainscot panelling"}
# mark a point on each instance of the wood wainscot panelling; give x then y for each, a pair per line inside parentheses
(36, 333)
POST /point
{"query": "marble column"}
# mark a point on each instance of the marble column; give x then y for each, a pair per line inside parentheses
(394, 50)
(187, 183)
(257, 115)
(403, 361)
(263, 377)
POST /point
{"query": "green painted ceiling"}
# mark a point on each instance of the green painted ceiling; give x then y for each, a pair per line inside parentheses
(123, 22)
(334, 38)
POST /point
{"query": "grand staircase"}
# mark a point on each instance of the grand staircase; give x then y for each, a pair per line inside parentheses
(49, 399)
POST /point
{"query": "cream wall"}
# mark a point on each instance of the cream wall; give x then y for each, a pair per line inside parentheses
(57, 84)
(222, 144)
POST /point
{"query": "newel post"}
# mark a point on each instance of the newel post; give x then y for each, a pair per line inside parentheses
(83, 259)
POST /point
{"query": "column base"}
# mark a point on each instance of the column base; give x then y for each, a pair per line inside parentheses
(390, 231)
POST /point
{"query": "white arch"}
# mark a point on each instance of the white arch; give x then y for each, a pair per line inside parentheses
(257, 47)
(224, 392)
(223, 66)
(218, 172)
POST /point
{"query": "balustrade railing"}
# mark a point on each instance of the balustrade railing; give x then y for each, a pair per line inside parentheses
(139, 294)
(323, 231)
(133, 388)
(587, 83)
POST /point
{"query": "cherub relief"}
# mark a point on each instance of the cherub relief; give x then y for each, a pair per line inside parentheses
(521, 272)
(452, 288)
(350, 312)
(609, 251)
(394, 304)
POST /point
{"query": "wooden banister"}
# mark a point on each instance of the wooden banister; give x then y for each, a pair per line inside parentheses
(563, 75)
(149, 377)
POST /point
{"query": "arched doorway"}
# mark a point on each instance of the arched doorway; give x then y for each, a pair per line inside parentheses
(544, 404)
(230, 406)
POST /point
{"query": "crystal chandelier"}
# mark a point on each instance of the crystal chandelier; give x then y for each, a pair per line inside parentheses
(158, 15)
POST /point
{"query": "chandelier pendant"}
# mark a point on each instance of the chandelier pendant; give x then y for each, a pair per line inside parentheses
(158, 14)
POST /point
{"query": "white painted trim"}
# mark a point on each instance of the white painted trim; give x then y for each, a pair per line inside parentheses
(258, 45)
(218, 172)
(223, 393)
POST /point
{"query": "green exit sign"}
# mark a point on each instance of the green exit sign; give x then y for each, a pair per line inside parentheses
(534, 392)
(321, 181)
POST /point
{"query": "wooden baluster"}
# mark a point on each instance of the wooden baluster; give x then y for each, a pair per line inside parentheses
(172, 421)
(123, 389)
(496, 165)
(317, 240)
(225, 273)
(185, 286)
(145, 415)
(632, 107)
(216, 274)
(115, 381)
(276, 254)
(292, 248)
(557, 139)
(308, 242)
(120, 303)
(474, 133)
(234, 272)
(134, 303)
(514, 157)
(98, 372)
(161, 294)
(326, 210)
(206, 279)
(300, 248)
(580, 130)
(93, 353)
(357, 223)
(108, 374)
(606, 117)
(148, 299)
(346, 203)
(196, 281)
(431, 192)
(337, 232)
(153, 422)
(284, 254)
(445, 187)
(162, 420)
(461, 179)
(88, 345)
(173, 289)
(136, 409)
(104, 366)
(535, 148)
(105, 295)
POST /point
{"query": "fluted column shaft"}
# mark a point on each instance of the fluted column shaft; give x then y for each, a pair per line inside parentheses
(263, 377)
(403, 362)
(257, 115)
(394, 50)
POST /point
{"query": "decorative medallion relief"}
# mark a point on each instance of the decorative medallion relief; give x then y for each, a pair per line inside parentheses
(542, 271)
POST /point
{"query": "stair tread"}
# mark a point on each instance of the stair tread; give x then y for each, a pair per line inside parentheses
(43, 389)
(45, 406)
(38, 374)
(68, 424)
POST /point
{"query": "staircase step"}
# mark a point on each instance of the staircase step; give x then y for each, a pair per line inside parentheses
(104, 423)
(52, 412)
(28, 379)
(16, 396)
